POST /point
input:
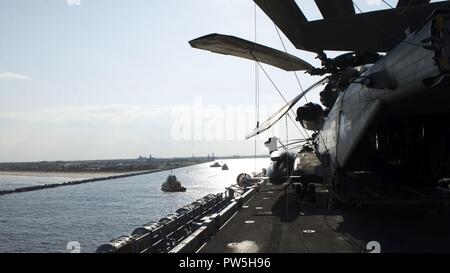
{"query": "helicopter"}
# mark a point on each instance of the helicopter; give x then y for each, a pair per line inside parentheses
(380, 133)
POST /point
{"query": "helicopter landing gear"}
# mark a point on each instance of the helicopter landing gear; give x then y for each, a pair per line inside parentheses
(306, 191)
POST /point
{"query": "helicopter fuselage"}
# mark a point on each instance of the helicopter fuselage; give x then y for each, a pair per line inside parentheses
(397, 108)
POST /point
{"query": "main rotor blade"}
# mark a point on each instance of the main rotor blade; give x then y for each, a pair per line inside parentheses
(288, 17)
(280, 113)
(378, 31)
(230, 45)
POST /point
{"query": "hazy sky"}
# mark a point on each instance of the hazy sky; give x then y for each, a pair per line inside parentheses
(95, 79)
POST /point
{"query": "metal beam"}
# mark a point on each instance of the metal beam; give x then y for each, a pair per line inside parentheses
(335, 8)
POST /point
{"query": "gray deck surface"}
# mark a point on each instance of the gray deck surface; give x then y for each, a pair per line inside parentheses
(280, 223)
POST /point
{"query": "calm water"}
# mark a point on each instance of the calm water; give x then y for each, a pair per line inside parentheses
(94, 213)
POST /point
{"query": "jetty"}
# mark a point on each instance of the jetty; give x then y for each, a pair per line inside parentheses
(73, 183)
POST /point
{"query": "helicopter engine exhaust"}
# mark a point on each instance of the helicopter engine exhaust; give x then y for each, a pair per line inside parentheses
(311, 116)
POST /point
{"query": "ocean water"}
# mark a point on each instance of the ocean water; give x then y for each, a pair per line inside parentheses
(94, 213)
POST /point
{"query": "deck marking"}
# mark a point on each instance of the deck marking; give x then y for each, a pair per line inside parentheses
(264, 213)
(244, 247)
(200, 248)
(250, 199)
(228, 220)
(309, 231)
(249, 222)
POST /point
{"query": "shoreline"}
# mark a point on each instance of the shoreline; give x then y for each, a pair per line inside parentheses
(82, 181)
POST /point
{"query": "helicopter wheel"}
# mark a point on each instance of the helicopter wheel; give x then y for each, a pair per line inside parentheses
(334, 191)
(299, 191)
(312, 193)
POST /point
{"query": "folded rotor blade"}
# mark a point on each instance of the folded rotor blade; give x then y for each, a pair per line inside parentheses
(280, 113)
(230, 45)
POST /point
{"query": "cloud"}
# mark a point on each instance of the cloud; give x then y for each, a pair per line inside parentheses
(13, 76)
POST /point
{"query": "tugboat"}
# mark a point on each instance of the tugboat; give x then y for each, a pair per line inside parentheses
(215, 165)
(172, 185)
(224, 167)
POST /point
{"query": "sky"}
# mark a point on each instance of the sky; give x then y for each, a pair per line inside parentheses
(106, 79)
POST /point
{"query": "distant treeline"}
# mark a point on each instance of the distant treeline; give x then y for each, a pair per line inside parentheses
(116, 165)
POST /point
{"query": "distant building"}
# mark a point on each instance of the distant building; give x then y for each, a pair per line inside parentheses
(72, 166)
(142, 159)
